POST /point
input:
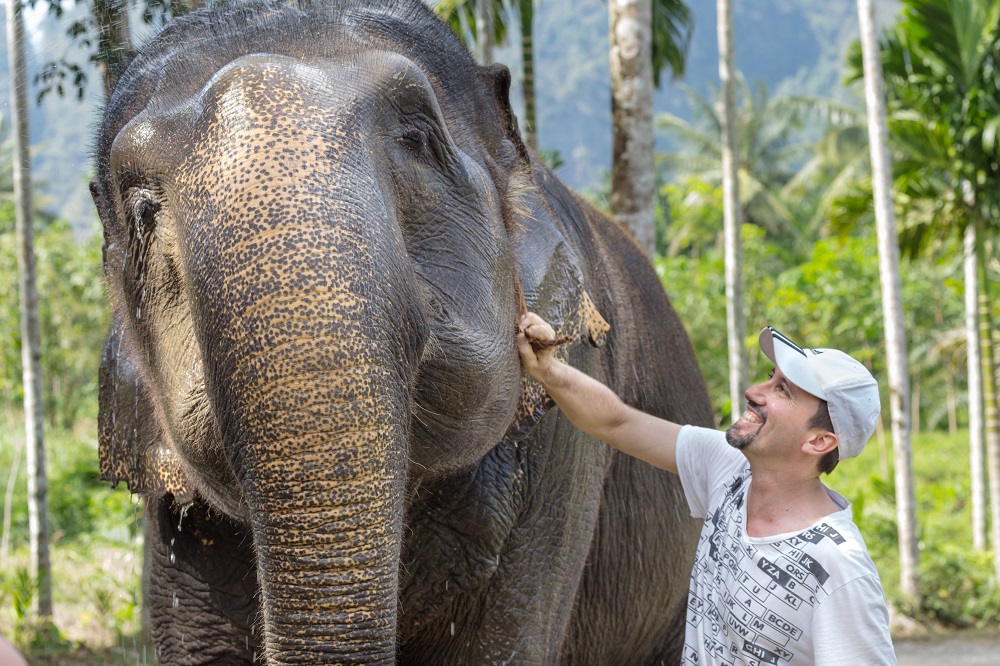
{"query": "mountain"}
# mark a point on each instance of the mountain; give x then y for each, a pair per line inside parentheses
(794, 46)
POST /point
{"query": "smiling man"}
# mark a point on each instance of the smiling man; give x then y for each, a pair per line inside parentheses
(781, 574)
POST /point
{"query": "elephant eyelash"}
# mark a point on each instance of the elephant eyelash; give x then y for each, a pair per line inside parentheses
(413, 140)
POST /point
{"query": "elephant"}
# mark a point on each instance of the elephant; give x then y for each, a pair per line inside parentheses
(321, 227)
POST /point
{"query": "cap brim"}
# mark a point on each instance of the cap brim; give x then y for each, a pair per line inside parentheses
(791, 360)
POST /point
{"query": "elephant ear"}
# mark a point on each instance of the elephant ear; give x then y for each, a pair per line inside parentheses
(133, 446)
(552, 285)
(512, 152)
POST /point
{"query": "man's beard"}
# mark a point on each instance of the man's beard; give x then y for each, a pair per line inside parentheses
(741, 441)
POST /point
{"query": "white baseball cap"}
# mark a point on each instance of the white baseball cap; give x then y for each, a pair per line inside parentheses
(849, 389)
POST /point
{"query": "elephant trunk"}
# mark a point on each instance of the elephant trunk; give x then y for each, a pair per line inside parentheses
(315, 421)
(310, 335)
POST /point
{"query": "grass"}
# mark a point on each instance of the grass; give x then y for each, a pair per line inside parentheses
(97, 551)
(96, 593)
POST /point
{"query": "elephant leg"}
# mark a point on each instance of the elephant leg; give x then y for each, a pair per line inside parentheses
(202, 588)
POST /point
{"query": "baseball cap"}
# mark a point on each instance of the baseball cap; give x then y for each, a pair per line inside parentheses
(849, 389)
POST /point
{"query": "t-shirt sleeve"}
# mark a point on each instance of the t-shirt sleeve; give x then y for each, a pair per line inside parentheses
(851, 626)
(705, 462)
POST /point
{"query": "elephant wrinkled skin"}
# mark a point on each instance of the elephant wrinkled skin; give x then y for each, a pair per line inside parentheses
(321, 227)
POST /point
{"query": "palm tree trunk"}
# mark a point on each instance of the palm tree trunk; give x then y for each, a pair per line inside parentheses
(991, 413)
(38, 519)
(977, 460)
(949, 381)
(731, 213)
(633, 182)
(526, 14)
(115, 40)
(484, 31)
(892, 304)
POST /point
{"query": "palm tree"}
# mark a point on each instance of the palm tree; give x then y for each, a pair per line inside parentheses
(631, 66)
(644, 36)
(939, 63)
(30, 329)
(892, 304)
(769, 145)
(485, 30)
(732, 218)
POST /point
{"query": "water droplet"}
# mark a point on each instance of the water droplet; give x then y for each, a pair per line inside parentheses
(173, 560)
(452, 628)
(176, 602)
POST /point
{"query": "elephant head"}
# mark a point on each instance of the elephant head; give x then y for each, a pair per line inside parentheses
(307, 220)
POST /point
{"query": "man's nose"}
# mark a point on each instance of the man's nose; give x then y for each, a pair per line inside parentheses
(754, 393)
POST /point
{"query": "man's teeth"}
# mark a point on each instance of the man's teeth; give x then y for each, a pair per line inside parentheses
(750, 416)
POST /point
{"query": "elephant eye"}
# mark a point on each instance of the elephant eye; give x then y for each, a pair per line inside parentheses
(141, 210)
(141, 207)
(413, 140)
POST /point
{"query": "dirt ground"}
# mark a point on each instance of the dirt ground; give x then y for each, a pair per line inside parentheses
(951, 650)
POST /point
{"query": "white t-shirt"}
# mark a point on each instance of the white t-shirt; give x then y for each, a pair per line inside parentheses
(809, 597)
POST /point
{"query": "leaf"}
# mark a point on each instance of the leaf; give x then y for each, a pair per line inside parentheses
(990, 133)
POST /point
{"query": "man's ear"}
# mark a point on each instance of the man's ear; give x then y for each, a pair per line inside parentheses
(820, 442)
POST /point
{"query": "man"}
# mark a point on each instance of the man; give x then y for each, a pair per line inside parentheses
(781, 574)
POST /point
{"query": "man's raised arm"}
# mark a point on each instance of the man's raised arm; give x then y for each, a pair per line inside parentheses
(593, 407)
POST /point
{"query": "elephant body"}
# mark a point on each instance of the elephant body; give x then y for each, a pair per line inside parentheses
(321, 227)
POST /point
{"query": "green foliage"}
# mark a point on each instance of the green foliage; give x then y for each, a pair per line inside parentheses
(94, 534)
(941, 63)
(81, 506)
(775, 192)
(693, 217)
(672, 27)
(830, 298)
(957, 582)
(27, 631)
(116, 609)
(959, 589)
(90, 32)
(20, 588)
(96, 592)
(551, 158)
(72, 314)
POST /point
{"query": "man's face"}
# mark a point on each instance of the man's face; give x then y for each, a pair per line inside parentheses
(777, 416)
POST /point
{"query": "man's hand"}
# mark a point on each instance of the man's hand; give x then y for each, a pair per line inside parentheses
(536, 362)
(590, 405)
